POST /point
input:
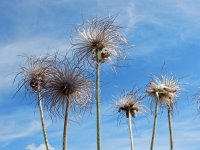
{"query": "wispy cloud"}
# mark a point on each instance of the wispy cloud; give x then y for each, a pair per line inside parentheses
(40, 147)
(18, 124)
(12, 131)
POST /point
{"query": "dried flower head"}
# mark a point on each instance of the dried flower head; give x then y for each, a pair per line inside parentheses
(166, 88)
(130, 102)
(67, 83)
(35, 72)
(102, 35)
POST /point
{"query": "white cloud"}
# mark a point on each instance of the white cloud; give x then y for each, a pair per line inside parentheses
(20, 123)
(31, 46)
(40, 147)
(11, 130)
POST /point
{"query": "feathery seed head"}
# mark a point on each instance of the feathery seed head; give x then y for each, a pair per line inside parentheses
(36, 72)
(102, 36)
(67, 83)
(130, 102)
(166, 88)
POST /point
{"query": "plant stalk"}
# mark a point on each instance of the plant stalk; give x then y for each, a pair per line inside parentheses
(98, 100)
(155, 122)
(42, 117)
(170, 129)
(130, 129)
(66, 124)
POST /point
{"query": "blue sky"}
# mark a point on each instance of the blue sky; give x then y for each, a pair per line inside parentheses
(160, 30)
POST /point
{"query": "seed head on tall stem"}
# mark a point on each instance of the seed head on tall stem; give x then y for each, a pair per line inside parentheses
(33, 78)
(67, 89)
(129, 105)
(98, 41)
(164, 91)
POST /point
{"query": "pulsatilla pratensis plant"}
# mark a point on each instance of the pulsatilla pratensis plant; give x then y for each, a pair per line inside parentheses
(67, 90)
(98, 41)
(129, 105)
(33, 79)
(164, 91)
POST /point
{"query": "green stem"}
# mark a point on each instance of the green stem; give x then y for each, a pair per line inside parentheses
(66, 124)
(42, 117)
(155, 122)
(98, 100)
(130, 129)
(170, 129)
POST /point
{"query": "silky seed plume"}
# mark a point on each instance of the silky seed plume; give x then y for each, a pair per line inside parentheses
(68, 82)
(99, 34)
(167, 88)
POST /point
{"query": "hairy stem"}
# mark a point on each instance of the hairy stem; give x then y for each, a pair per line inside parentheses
(155, 122)
(66, 124)
(42, 117)
(98, 100)
(130, 129)
(170, 129)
